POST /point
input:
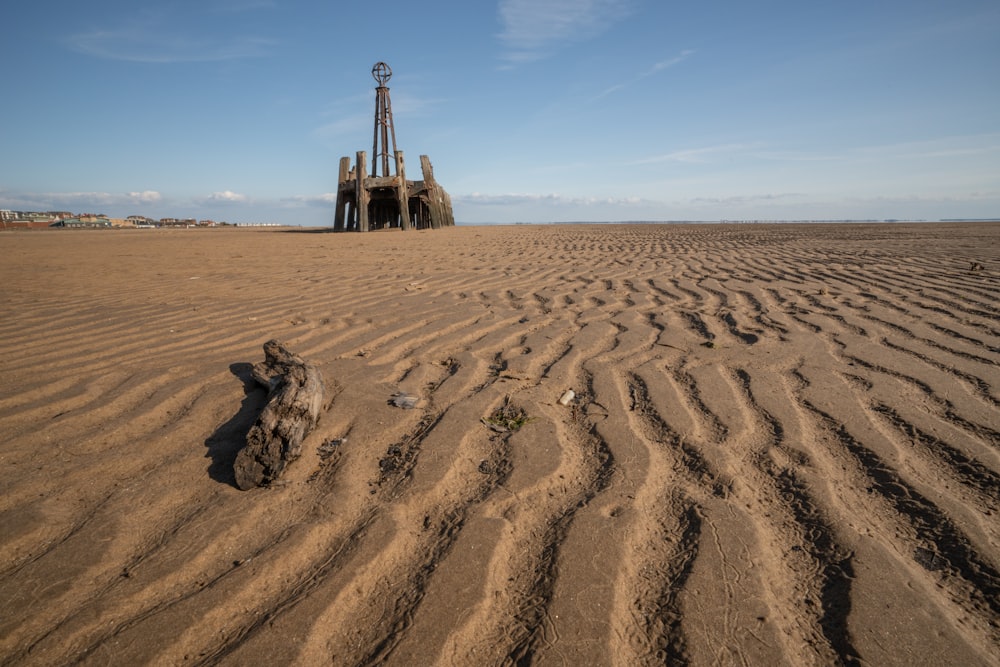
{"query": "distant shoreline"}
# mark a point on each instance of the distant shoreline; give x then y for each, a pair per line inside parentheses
(8, 227)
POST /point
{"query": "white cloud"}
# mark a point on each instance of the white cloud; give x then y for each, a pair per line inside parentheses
(92, 202)
(98, 198)
(21, 201)
(225, 197)
(532, 29)
(145, 197)
(73, 201)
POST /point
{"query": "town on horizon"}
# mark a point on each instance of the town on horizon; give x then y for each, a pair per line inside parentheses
(65, 219)
(13, 220)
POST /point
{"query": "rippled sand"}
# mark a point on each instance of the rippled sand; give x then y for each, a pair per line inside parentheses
(784, 446)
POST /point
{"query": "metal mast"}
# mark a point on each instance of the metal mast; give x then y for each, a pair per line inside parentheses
(383, 121)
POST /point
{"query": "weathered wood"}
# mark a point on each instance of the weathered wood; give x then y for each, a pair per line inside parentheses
(294, 402)
(448, 213)
(345, 171)
(383, 201)
(430, 190)
(361, 207)
(401, 195)
(438, 201)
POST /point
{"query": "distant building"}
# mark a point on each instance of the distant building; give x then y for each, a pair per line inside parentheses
(25, 220)
(140, 221)
(24, 224)
(83, 222)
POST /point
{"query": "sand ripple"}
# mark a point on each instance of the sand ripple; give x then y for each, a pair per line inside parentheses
(784, 447)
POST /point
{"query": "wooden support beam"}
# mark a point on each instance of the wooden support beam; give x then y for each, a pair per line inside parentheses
(431, 186)
(364, 203)
(345, 174)
(426, 169)
(345, 170)
(401, 195)
(438, 200)
(361, 195)
(449, 213)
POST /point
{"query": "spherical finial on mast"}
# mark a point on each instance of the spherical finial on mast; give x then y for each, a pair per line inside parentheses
(382, 73)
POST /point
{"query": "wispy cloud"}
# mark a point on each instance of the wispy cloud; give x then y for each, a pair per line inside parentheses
(743, 200)
(509, 199)
(75, 201)
(513, 199)
(156, 39)
(961, 146)
(352, 115)
(533, 29)
(238, 6)
(703, 154)
(941, 147)
(323, 200)
(658, 67)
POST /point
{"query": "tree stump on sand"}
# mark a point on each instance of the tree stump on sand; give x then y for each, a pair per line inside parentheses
(294, 402)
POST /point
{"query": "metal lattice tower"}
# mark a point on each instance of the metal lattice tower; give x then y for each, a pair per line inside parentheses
(383, 122)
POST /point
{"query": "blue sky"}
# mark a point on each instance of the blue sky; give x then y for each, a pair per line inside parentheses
(530, 110)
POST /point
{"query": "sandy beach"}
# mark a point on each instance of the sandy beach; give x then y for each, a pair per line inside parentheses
(783, 446)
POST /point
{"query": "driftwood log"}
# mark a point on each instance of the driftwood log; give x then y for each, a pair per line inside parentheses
(294, 402)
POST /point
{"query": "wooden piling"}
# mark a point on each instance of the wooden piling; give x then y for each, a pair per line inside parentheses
(342, 202)
(401, 194)
(361, 193)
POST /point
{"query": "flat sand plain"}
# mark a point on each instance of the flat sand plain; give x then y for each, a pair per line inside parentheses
(784, 447)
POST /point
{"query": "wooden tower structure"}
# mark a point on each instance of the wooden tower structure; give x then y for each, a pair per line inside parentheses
(384, 200)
